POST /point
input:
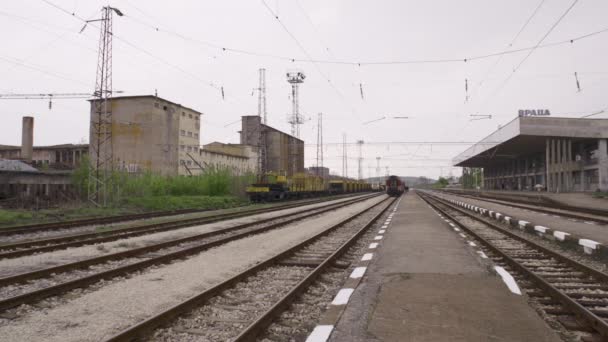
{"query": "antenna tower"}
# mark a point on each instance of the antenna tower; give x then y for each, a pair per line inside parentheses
(360, 145)
(102, 158)
(295, 78)
(319, 143)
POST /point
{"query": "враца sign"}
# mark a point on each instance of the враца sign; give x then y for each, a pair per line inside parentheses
(534, 112)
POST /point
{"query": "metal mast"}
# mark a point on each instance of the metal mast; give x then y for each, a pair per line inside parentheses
(360, 145)
(101, 120)
(262, 133)
(378, 168)
(344, 158)
(295, 78)
(262, 97)
(319, 143)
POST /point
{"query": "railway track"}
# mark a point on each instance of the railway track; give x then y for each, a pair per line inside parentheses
(575, 214)
(62, 225)
(29, 247)
(564, 289)
(242, 307)
(33, 286)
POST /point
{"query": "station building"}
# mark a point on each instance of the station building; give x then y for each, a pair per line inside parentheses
(543, 153)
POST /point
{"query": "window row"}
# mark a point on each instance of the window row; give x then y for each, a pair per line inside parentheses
(195, 116)
(183, 133)
(188, 148)
(185, 162)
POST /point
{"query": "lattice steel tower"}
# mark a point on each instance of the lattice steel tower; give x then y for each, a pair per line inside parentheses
(360, 145)
(101, 122)
(295, 78)
(319, 143)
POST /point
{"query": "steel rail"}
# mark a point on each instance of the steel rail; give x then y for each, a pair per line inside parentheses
(255, 328)
(87, 280)
(596, 322)
(38, 227)
(144, 328)
(556, 206)
(82, 239)
(535, 207)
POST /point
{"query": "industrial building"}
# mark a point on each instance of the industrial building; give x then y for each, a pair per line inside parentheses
(284, 153)
(543, 153)
(151, 134)
(238, 158)
(63, 157)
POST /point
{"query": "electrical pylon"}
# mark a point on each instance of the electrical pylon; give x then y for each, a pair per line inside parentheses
(101, 149)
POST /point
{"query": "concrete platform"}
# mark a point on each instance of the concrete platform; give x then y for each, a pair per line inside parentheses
(587, 230)
(427, 284)
(575, 199)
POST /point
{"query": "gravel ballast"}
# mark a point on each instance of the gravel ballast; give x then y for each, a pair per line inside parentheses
(98, 315)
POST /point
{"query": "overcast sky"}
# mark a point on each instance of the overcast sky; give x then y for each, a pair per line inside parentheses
(42, 51)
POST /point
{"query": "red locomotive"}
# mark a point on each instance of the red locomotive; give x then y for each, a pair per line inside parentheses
(395, 186)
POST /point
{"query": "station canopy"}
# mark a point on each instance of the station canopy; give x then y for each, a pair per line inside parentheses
(528, 135)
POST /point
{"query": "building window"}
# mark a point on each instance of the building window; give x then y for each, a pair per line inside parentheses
(195, 117)
(182, 147)
(156, 105)
(165, 107)
(196, 135)
(184, 114)
(182, 132)
(189, 162)
(190, 116)
(189, 148)
(190, 134)
(182, 162)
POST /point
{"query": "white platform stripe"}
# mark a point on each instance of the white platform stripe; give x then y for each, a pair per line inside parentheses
(373, 245)
(367, 256)
(508, 280)
(342, 297)
(358, 272)
(320, 333)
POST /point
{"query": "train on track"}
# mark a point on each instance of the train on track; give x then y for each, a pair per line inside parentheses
(395, 186)
(275, 187)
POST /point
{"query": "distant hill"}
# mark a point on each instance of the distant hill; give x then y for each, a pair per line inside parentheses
(409, 181)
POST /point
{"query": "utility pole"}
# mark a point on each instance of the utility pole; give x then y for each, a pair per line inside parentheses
(360, 146)
(387, 171)
(262, 148)
(344, 157)
(101, 148)
(378, 168)
(319, 143)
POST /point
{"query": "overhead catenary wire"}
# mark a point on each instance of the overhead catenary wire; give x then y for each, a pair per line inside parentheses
(499, 59)
(460, 59)
(150, 54)
(534, 48)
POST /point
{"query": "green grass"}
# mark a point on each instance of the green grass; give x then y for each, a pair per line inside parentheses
(214, 189)
(12, 217)
(184, 202)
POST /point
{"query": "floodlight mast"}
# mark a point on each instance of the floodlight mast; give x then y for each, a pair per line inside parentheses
(295, 78)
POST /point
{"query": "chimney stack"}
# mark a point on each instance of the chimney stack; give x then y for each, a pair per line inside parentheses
(27, 138)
